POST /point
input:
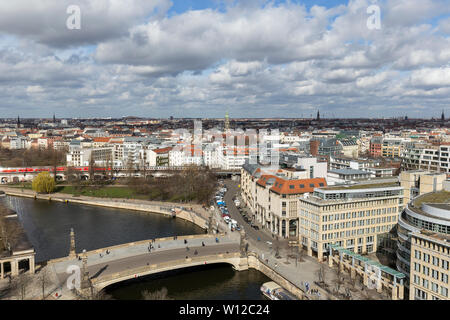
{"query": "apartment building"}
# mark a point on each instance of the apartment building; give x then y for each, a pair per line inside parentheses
(430, 259)
(392, 148)
(77, 155)
(355, 217)
(427, 157)
(375, 147)
(273, 197)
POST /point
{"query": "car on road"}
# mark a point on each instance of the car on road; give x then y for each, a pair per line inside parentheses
(255, 227)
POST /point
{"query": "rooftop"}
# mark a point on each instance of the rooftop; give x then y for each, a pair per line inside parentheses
(441, 197)
(363, 186)
(349, 171)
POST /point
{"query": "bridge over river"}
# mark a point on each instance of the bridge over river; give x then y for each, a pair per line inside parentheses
(127, 261)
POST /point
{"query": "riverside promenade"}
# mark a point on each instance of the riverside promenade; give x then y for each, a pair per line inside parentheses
(190, 212)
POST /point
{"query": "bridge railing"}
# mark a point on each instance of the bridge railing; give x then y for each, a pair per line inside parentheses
(168, 264)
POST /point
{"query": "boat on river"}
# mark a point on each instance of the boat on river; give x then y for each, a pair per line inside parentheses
(273, 291)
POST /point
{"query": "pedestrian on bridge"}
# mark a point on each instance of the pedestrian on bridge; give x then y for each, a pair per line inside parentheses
(203, 244)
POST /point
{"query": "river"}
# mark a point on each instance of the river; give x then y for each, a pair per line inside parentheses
(47, 225)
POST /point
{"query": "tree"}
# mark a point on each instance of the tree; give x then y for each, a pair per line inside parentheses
(91, 167)
(321, 274)
(44, 280)
(10, 230)
(43, 182)
(20, 284)
(155, 295)
(339, 281)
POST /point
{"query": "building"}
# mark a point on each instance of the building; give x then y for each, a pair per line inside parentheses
(375, 147)
(430, 259)
(350, 148)
(313, 167)
(392, 148)
(418, 182)
(273, 197)
(340, 176)
(350, 216)
(428, 157)
(78, 156)
(158, 157)
(428, 212)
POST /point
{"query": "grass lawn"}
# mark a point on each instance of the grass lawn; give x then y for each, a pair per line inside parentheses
(101, 192)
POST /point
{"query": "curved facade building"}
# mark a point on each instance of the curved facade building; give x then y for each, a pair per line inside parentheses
(427, 213)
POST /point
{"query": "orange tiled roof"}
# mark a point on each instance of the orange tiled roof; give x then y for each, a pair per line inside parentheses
(102, 139)
(164, 150)
(297, 186)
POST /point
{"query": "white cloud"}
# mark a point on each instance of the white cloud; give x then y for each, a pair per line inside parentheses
(251, 59)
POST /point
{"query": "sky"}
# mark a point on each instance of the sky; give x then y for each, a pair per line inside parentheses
(252, 58)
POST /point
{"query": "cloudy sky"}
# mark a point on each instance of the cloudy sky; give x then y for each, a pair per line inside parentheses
(201, 58)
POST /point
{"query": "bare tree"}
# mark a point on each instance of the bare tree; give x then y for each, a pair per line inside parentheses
(321, 274)
(339, 281)
(10, 230)
(155, 295)
(44, 280)
(20, 285)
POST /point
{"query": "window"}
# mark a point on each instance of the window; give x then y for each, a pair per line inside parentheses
(302, 186)
(311, 185)
(434, 287)
(435, 261)
(291, 186)
(320, 184)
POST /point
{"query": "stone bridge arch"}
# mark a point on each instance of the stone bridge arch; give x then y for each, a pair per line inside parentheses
(233, 259)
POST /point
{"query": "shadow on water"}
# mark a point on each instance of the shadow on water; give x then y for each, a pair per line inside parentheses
(208, 282)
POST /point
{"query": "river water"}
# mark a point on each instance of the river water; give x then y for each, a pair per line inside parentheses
(47, 225)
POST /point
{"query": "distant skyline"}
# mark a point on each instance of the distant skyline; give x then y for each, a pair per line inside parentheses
(202, 58)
